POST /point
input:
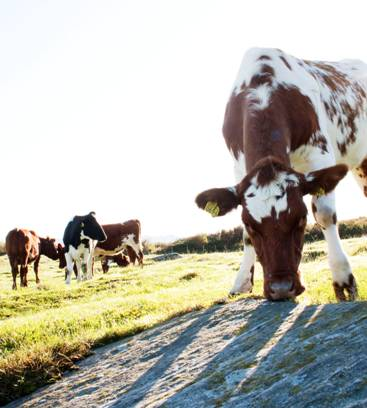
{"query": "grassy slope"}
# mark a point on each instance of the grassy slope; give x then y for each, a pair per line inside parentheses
(43, 330)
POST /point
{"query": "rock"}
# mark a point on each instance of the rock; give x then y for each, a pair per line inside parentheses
(249, 353)
(167, 257)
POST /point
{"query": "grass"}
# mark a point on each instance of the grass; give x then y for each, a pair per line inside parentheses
(45, 329)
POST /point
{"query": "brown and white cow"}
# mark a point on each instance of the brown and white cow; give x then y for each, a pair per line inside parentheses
(121, 236)
(293, 127)
(24, 247)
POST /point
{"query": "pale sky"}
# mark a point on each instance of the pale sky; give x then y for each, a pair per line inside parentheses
(117, 106)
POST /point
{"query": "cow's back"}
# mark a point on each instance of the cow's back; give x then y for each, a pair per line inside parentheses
(318, 104)
(22, 245)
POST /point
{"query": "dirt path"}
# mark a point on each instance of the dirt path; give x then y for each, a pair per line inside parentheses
(248, 353)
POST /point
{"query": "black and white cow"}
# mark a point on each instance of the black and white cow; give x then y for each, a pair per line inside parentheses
(80, 238)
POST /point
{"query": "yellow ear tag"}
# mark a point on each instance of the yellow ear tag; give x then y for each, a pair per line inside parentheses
(212, 208)
(320, 192)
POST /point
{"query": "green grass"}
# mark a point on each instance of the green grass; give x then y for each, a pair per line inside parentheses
(45, 329)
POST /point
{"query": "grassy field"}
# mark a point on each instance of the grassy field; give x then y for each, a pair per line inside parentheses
(45, 329)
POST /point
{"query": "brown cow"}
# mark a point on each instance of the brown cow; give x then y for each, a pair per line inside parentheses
(122, 236)
(24, 247)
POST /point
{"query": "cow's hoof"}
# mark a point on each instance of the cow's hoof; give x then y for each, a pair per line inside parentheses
(346, 291)
(240, 291)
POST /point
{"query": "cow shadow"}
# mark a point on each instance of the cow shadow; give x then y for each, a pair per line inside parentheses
(254, 323)
(308, 362)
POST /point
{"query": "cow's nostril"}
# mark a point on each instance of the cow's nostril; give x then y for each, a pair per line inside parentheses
(282, 286)
(281, 290)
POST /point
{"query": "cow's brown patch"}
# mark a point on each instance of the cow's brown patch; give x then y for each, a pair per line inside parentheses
(265, 76)
(233, 124)
(264, 57)
(286, 63)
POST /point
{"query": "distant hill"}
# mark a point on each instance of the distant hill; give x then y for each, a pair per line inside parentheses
(231, 240)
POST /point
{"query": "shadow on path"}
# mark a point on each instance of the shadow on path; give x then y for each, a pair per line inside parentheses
(259, 320)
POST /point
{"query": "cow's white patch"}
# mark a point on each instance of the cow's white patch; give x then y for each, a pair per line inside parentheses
(242, 283)
(130, 241)
(260, 97)
(239, 166)
(232, 190)
(260, 200)
(81, 255)
(309, 158)
(338, 261)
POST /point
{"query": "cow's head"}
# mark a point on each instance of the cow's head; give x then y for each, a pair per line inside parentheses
(61, 254)
(48, 247)
(275, 217)
(90, 228)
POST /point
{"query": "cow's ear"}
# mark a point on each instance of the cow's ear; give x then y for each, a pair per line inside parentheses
(323, 181)
(218, 201)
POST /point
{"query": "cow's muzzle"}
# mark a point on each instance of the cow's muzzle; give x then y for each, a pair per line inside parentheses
(281, 290)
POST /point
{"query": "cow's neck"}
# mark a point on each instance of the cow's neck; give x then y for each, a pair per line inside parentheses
(263, 138)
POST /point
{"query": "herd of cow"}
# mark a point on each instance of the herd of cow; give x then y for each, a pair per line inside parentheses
(84, 241)
(294, 127)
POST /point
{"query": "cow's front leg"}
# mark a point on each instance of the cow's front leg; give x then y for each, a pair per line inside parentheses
(323, 208)
(23, 275)
(245, 277)
(69, 268)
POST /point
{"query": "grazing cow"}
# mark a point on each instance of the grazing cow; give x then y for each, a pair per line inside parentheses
(80, 239)
(120, 237)
(120, 259)
(24, 247)
(293, 128)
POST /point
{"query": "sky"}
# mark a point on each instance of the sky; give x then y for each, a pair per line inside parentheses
(117, 106)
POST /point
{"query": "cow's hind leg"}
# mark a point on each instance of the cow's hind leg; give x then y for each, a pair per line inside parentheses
(323, 208)
(35, 267)
(104, 264)
(245, 277)
(14, 271)
(79, 275)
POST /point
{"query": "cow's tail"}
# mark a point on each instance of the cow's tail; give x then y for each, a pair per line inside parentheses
(140, 245)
